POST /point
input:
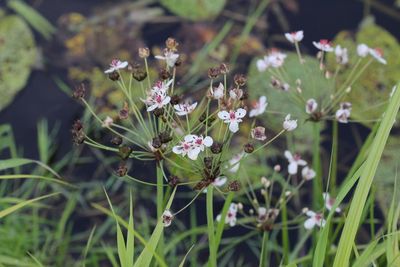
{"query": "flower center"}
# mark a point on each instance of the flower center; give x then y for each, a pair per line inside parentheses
(232, 115)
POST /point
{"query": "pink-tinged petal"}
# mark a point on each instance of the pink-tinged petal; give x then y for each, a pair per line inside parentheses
(220, 181)
(123, 65)
(160, 57)
(263, 100)
(166, 100)
(253, 113)
(232, 222)
(152, 107)
(309, 224)
(223, 115)
(234, 126)
(109, 70)
(288, 155)
(193, 153)
(310, 213)
(240, 113)
(218, 216)
(177, 150)
(190, 138)
(208, 141)
(301, 162)
(292, 168)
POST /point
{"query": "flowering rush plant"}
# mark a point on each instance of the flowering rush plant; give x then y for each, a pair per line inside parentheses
(208, 143)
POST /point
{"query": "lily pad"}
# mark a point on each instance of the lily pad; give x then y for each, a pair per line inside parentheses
(17, 56)
(370, 92)
(314, 85)
(194, 9)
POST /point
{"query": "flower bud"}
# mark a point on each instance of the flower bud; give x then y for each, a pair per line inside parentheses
(79, 91)
(171, 44)
(208, 162)
(122, 170)
(165, 137)
(158, 112)
(116, 140)
(144, 52)
(78, 135)
(216, 147)
(114, 76)
(138, 73)
(234, 186)
(124, 152)
(277, 168)
(173, 181)
(213, 73)
(164, 74)
(223, 68)
(156, 142)
(248, 148)
(176, 99)
(124, 112)
(240, 79)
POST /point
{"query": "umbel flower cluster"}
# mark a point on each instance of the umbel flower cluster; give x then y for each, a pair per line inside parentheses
(203, 138)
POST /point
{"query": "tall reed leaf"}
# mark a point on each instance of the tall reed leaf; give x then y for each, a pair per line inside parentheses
(146, 256)
(347, 238)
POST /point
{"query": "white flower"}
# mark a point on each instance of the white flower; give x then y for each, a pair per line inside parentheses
(236, 93)
(167, 218)
(311, 106)
(275, 58)
(233, 118)
(329, 202)
(377, 53)
(219, 181)
(313, 220)
(192, 145)
(342, 56)
(157, 100)
(184, 109)
(258, 133)
(259, 107)
(234, 163)
(230, 216)
(294, 162)
(160, 86)
(262, 64)
(169, 57)
(362, 50)
(116, 65)
(107, 122)
(288, 124)
(307, 173)
(217, 92)
(294, 37)
(323, 45)
(343, 114)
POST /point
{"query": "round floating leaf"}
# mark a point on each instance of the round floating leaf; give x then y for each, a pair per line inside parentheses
(313, 85)
(370, 92)
(194, 9)
(17, 56)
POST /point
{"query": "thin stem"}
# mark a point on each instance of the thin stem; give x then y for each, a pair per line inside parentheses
(212, 261)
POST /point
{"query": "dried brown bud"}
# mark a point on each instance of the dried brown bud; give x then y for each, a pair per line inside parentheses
(171, 44)
(138, 73)
(116, 140)
(216, 147)
(114, 76)
(173, 180)
(78, 135)
(234, 186)
(165, 74)
(165, 137)
(176, 99)
(156, 142)
(144, 52)
(240, 79)
(224, 68)
(208, 162)
(248, 148)
(124, 112)
(79, 91)
(275, 82)
(158, 112)
(122, 170)
(213, 73)
(124, 152)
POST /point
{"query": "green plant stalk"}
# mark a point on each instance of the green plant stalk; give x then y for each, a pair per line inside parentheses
(285, 233)
(347, 238)
(160, 207)
(317, 187)
(221, 223)
(264, 250)
(212, 261)
(333, 172)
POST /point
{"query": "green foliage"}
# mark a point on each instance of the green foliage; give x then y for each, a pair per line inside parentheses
(17, 56)
(372, 89)
(313, 84)
(195, 9)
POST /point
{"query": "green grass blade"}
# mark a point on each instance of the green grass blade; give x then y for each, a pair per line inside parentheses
(147, 254)
(184, 258)
(17, 162)
(88, 245)
(360, 196)
(39, 264)
(130, 242)
(221, 223)
(20, 205)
